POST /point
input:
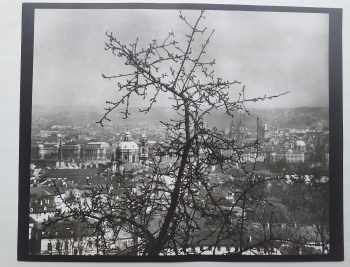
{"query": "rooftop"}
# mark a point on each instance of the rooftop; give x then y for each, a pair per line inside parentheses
(131, 145)
(72, 174)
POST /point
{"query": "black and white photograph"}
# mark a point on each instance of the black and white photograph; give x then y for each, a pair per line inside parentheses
(180, 133)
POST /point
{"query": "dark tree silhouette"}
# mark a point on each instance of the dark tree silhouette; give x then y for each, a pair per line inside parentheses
(173, 207)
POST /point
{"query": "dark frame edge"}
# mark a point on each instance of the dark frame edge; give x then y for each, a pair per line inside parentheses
(25, 129)
(335, 120)
(336, 135)
(150, 5)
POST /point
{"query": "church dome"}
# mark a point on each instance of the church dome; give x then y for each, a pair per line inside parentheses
(128, 145)
(300, 143)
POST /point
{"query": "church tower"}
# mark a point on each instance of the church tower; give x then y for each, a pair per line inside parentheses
(260, 130)
(59, 163)
(143, 149)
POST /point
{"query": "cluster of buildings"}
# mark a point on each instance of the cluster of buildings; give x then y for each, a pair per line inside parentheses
(78, 164)
(61, 154)
(287, 145)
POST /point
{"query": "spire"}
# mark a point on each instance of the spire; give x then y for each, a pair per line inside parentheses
(59, 163)
(59, 148)
(143, 138)
(259, 129)
(127, 136)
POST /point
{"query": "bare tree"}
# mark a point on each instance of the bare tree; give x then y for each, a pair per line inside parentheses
(176, 206)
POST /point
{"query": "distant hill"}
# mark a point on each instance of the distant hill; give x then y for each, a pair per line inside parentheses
(301, 117)
(65, 115)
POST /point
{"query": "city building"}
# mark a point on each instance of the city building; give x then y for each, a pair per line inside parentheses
(127, 150)
(48, 151)
(95, 152)
(42, 203)
(71, 151)
(143, 154)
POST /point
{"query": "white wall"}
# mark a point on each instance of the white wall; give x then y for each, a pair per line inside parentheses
(10, 23)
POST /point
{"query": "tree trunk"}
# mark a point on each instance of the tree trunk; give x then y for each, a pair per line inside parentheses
(163, 234)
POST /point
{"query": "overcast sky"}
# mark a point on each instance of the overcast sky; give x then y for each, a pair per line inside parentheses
(269, 52)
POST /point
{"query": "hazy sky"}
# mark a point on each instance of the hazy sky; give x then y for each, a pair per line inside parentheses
(269, 52)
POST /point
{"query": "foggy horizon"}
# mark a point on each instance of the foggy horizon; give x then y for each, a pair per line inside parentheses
(268, 57)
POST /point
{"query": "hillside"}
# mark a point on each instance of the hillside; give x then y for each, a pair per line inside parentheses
(301, 117)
